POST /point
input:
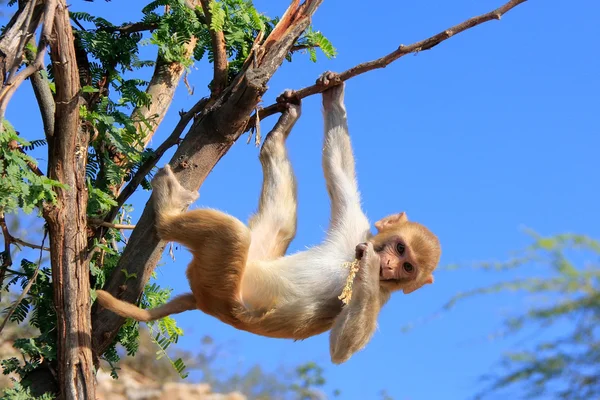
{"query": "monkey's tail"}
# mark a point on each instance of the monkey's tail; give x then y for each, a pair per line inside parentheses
(179, 304)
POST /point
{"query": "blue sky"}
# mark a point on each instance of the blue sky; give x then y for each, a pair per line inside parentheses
(494, 130)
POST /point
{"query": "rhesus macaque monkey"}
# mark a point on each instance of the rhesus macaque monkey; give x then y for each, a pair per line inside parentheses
(240, 275)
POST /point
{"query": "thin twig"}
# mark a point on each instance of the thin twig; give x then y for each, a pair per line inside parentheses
(10, 239)
(220, 62)
(300, 47)
(101, 222)
(27, 288)
(384, 61)
(30, 245)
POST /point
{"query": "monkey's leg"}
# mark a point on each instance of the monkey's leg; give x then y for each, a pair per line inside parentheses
(218, 242)
(274, 225)
(338, 160)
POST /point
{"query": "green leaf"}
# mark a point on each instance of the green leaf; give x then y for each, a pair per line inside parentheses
(217, 16)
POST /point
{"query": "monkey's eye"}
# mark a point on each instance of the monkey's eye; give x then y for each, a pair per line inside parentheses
(408, 267)
(400, 248)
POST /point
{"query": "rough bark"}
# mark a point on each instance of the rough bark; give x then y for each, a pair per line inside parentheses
(209, 138)
(21, 27)
(67, 220)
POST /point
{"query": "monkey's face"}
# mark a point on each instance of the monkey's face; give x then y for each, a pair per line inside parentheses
(409, 254)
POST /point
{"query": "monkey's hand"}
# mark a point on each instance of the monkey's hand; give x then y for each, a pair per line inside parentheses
(368, 270)
(355, 325)
(333, 97)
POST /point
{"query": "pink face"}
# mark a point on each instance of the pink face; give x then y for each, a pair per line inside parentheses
(399, 269)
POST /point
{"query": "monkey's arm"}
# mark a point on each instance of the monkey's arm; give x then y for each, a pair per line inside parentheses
(357, 322)
(338, 159)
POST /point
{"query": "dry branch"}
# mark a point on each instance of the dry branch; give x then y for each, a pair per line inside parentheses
(384, 61)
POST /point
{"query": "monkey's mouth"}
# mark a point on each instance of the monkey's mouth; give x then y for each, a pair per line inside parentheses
(382, 276)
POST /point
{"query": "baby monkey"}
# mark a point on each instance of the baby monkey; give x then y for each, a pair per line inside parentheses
(240, 274)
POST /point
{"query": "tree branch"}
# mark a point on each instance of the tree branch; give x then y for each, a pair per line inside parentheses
(384, 61)
(219, 53)
(100, 222)
(15, 81)
(43, 95)
(147, 166)
(10, 239)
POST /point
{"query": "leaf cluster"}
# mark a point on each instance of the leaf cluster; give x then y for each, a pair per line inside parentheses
(37, 310)
(20, 187)
(565, 297)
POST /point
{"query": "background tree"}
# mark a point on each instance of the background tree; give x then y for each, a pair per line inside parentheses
(99, 117)
(560, 351)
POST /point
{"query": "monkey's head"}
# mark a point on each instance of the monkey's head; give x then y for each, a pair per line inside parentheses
(409, 253)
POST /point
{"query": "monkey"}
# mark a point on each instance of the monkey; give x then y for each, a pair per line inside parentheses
(241, 274)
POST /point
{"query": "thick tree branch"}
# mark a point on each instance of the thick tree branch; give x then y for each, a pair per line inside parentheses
(22, 25)
(209, 138)
(384, 61)
(220, 63)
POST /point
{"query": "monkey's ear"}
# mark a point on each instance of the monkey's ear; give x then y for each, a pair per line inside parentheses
(428, 281)
(391, 220)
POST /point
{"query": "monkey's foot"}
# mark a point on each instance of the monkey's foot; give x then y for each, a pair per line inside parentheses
(288, 97)
(334, 95)
(169, 195)
(292, 110)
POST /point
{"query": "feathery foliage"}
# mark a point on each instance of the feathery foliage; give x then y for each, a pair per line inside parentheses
(564, 294)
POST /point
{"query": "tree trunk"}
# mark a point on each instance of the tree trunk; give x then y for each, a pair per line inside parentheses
(67, 220)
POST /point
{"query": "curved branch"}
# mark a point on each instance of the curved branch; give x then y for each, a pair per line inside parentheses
(384, 61)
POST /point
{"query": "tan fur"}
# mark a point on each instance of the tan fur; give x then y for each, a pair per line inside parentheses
(239, 273)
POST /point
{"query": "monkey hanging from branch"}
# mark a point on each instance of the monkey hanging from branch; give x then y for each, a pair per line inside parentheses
(241, 275)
